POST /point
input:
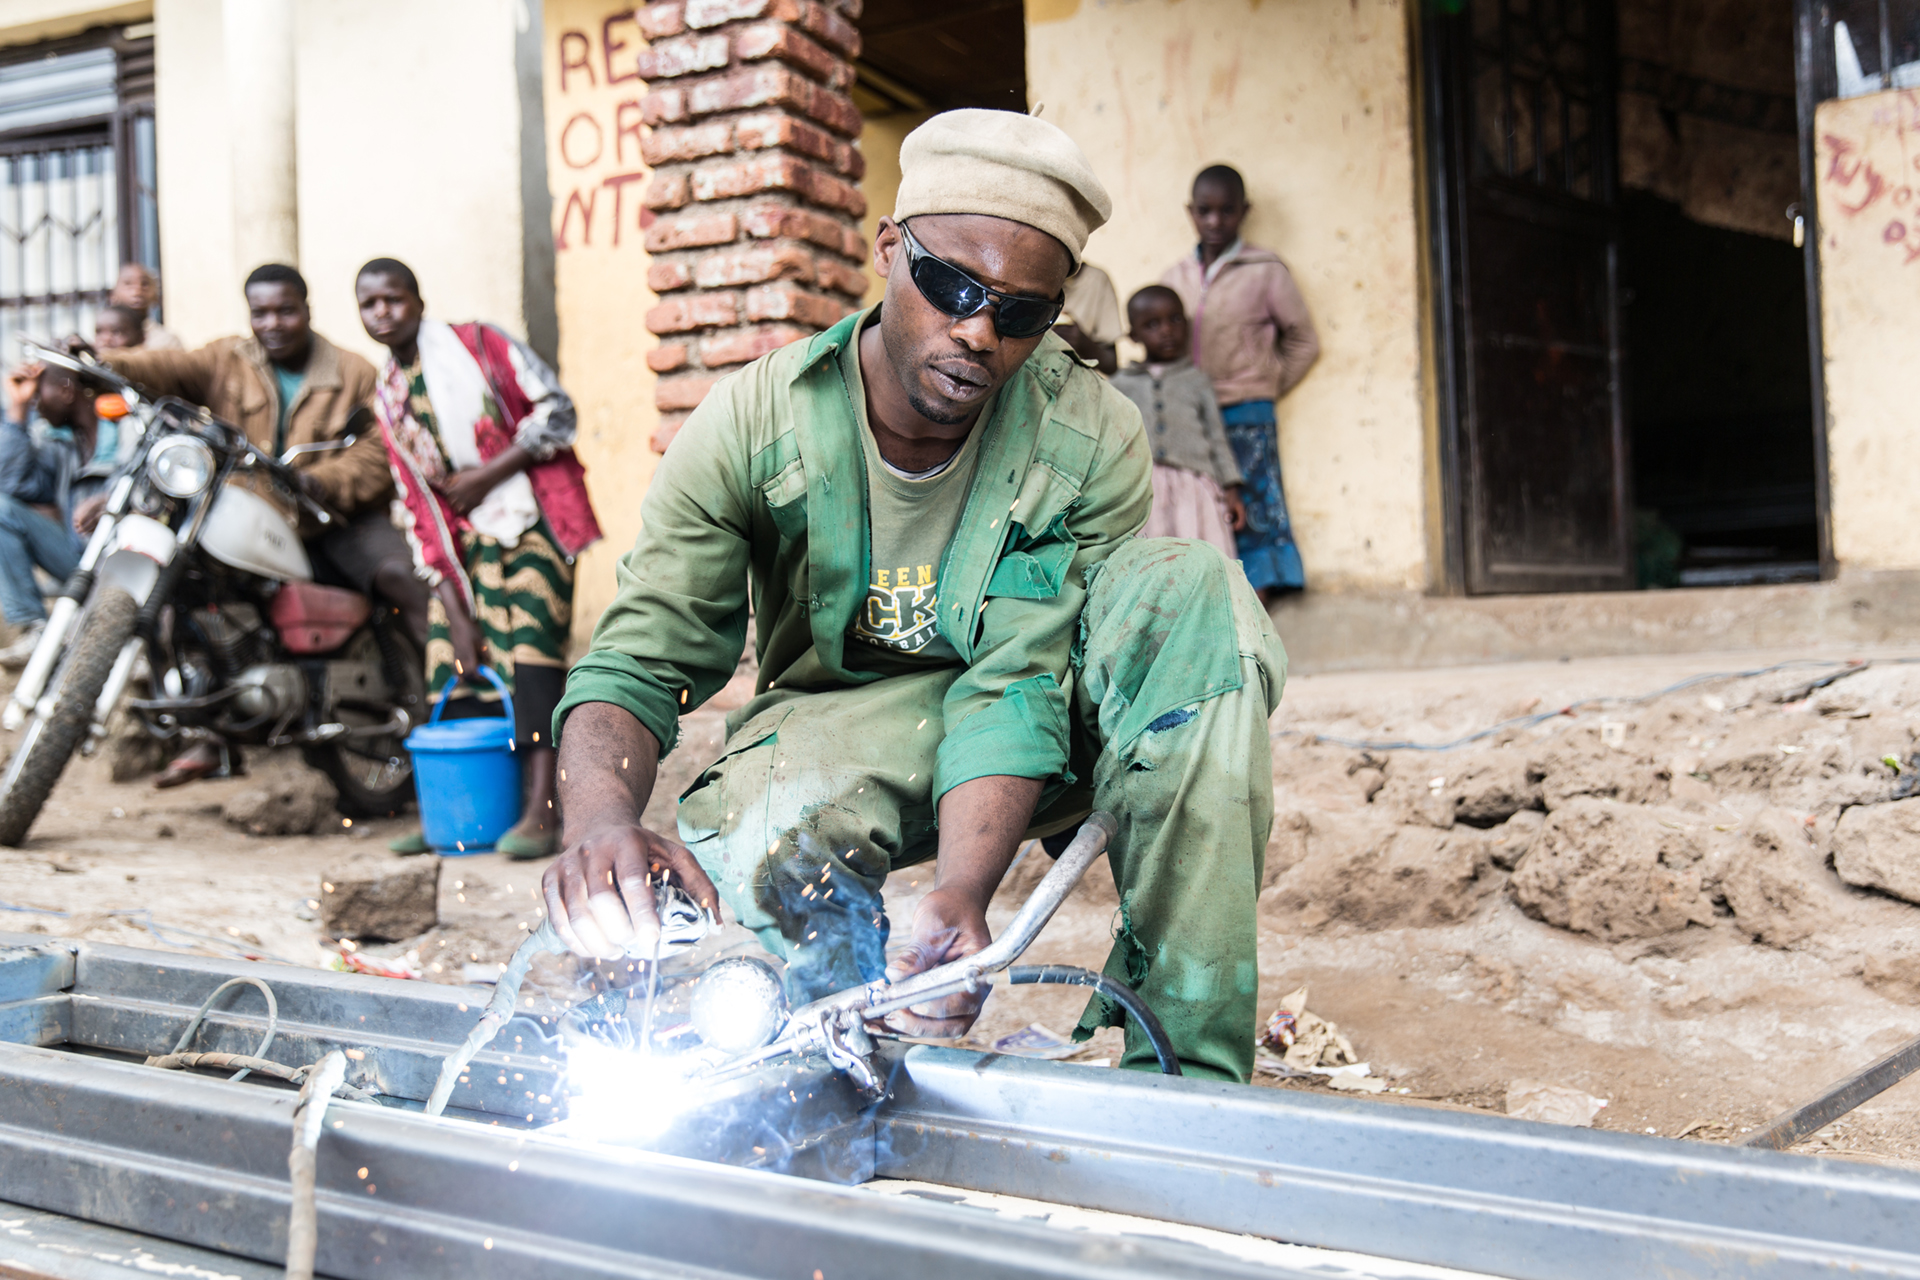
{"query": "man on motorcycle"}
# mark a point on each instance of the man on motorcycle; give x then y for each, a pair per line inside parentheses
(284, 386)
(47, 440)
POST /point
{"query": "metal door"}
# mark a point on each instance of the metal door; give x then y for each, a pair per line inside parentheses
(1520, 97)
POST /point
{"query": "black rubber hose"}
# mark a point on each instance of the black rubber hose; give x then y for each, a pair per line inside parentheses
(1069, 975)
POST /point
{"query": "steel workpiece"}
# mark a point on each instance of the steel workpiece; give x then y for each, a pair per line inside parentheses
(201, 1160)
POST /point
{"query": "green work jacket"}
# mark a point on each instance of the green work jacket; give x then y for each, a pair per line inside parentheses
(764, 489)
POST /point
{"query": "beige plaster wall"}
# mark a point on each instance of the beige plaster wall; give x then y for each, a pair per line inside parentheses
(1309, 99)
(880, 139)
(25, 21)
(1869, 166)
(407, 121)
(601, 294)
(407, 147)
(198, 276)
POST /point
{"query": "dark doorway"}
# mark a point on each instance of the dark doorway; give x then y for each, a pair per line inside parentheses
(961, 53)
(1692, 345)
(1721, 401)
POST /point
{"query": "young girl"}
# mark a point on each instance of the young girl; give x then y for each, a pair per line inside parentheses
(479, 435)
(1196, 480)
(1253, 337)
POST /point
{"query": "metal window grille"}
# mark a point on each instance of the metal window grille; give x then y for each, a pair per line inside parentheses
(1865, 46)
(77, 181)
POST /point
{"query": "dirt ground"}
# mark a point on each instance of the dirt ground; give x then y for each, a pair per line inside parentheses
(1645, 900)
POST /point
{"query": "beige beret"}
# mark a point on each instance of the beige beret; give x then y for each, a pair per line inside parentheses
(1004, 164)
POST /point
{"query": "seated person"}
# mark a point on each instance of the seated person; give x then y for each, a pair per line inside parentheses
(286, 385)
(118, 328)
(139, 289)
(47, 439)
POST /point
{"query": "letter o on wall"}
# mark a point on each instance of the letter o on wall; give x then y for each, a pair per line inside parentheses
(567, 143)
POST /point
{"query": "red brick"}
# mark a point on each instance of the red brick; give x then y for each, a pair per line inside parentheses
(752, 266)
(670, 424)
(850, 8)
(853, 244)
(711, 13)
(667, 357)
(832, 273)
(777, 40)
(824, 188)
(664, 146)
(694, 311)
(748, 344)
(770, 85)
(664, 106)
(786, 301)
(688, 54)
(778, 129)
(666, 276)
(692, 232)
(684, 391)
(828, 27)
(658, 21)
(731, 178)
(770, 221)
(667, 191)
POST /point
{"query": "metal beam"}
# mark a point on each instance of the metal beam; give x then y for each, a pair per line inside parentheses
(137, 1147)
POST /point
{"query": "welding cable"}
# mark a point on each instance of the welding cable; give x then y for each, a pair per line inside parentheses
(200, 1014)
(261, 1066)
(506, 994)
(303, 1219)
(1852, 667)
(1069, 975)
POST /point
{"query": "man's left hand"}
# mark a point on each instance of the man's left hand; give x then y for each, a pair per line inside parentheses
(947, 925)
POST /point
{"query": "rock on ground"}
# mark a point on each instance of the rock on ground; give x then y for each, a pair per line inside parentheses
(1777, 882)
(1616, 871)
(1877, 846)
(286, 803)
(380, 896)
(1363, 871)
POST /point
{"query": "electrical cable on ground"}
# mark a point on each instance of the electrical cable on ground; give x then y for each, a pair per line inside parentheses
(1068, 975)
(1852, 667)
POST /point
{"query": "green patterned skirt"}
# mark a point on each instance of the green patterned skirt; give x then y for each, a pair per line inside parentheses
(524, 596)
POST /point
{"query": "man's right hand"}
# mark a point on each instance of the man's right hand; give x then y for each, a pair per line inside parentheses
(600, 894)
(87, 514)
(23, 383)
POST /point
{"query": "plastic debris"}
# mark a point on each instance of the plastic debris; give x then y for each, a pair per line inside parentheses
(1035, 1041)
(1552, 1103)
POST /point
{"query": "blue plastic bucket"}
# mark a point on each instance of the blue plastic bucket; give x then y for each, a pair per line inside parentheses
(467, 775)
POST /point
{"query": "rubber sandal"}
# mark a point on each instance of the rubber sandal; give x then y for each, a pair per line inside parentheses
(181, 772)
(409, 845)
(516, 847)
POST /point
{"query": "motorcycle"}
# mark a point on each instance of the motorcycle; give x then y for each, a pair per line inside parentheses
(196, 571)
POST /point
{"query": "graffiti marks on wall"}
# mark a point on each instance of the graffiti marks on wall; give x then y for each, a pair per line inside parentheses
(1869, 174)
(596, 134)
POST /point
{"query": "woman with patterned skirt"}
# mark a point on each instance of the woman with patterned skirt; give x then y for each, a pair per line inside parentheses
(479, 435)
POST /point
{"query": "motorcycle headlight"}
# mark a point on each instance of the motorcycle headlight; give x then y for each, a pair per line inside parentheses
(180, 467)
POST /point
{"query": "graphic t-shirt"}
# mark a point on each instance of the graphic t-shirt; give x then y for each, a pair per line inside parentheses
(911, 519)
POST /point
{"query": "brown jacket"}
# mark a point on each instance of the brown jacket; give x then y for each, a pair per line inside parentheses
(232, 378)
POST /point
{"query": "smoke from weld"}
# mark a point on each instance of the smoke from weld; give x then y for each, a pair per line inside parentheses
(831, 916)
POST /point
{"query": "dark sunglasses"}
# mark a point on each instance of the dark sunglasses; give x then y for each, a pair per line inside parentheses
(958, 294)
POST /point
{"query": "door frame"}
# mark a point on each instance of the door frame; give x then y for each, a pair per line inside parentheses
(1808, 84)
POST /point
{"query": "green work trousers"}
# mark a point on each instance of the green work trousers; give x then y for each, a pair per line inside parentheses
(817, 796)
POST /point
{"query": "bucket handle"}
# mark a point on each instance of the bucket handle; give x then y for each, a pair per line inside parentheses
(492, 676)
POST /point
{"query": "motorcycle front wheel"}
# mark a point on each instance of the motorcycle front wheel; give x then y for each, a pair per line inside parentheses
(49, 741)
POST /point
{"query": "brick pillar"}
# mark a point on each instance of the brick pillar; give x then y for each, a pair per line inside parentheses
(753, 212)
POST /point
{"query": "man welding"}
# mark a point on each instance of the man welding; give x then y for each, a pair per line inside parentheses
(931, 508)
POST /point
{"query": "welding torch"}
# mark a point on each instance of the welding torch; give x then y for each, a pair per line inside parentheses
(836, 1025)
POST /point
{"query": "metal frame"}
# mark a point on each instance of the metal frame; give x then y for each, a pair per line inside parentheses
(203, 1161)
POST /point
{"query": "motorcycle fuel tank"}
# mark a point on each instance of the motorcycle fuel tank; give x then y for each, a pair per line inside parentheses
(248, 532)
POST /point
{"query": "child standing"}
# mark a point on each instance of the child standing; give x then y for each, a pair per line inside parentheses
(1253, 337)
(1196, 481)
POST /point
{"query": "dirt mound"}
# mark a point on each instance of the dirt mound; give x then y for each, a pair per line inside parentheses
(1877, 846)
(1598, 762)
(1776, 881)
(1368, 872)
(1617, 871)
(1482, 790)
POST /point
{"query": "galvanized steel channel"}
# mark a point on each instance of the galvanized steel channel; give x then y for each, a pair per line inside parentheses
(203, 1161)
